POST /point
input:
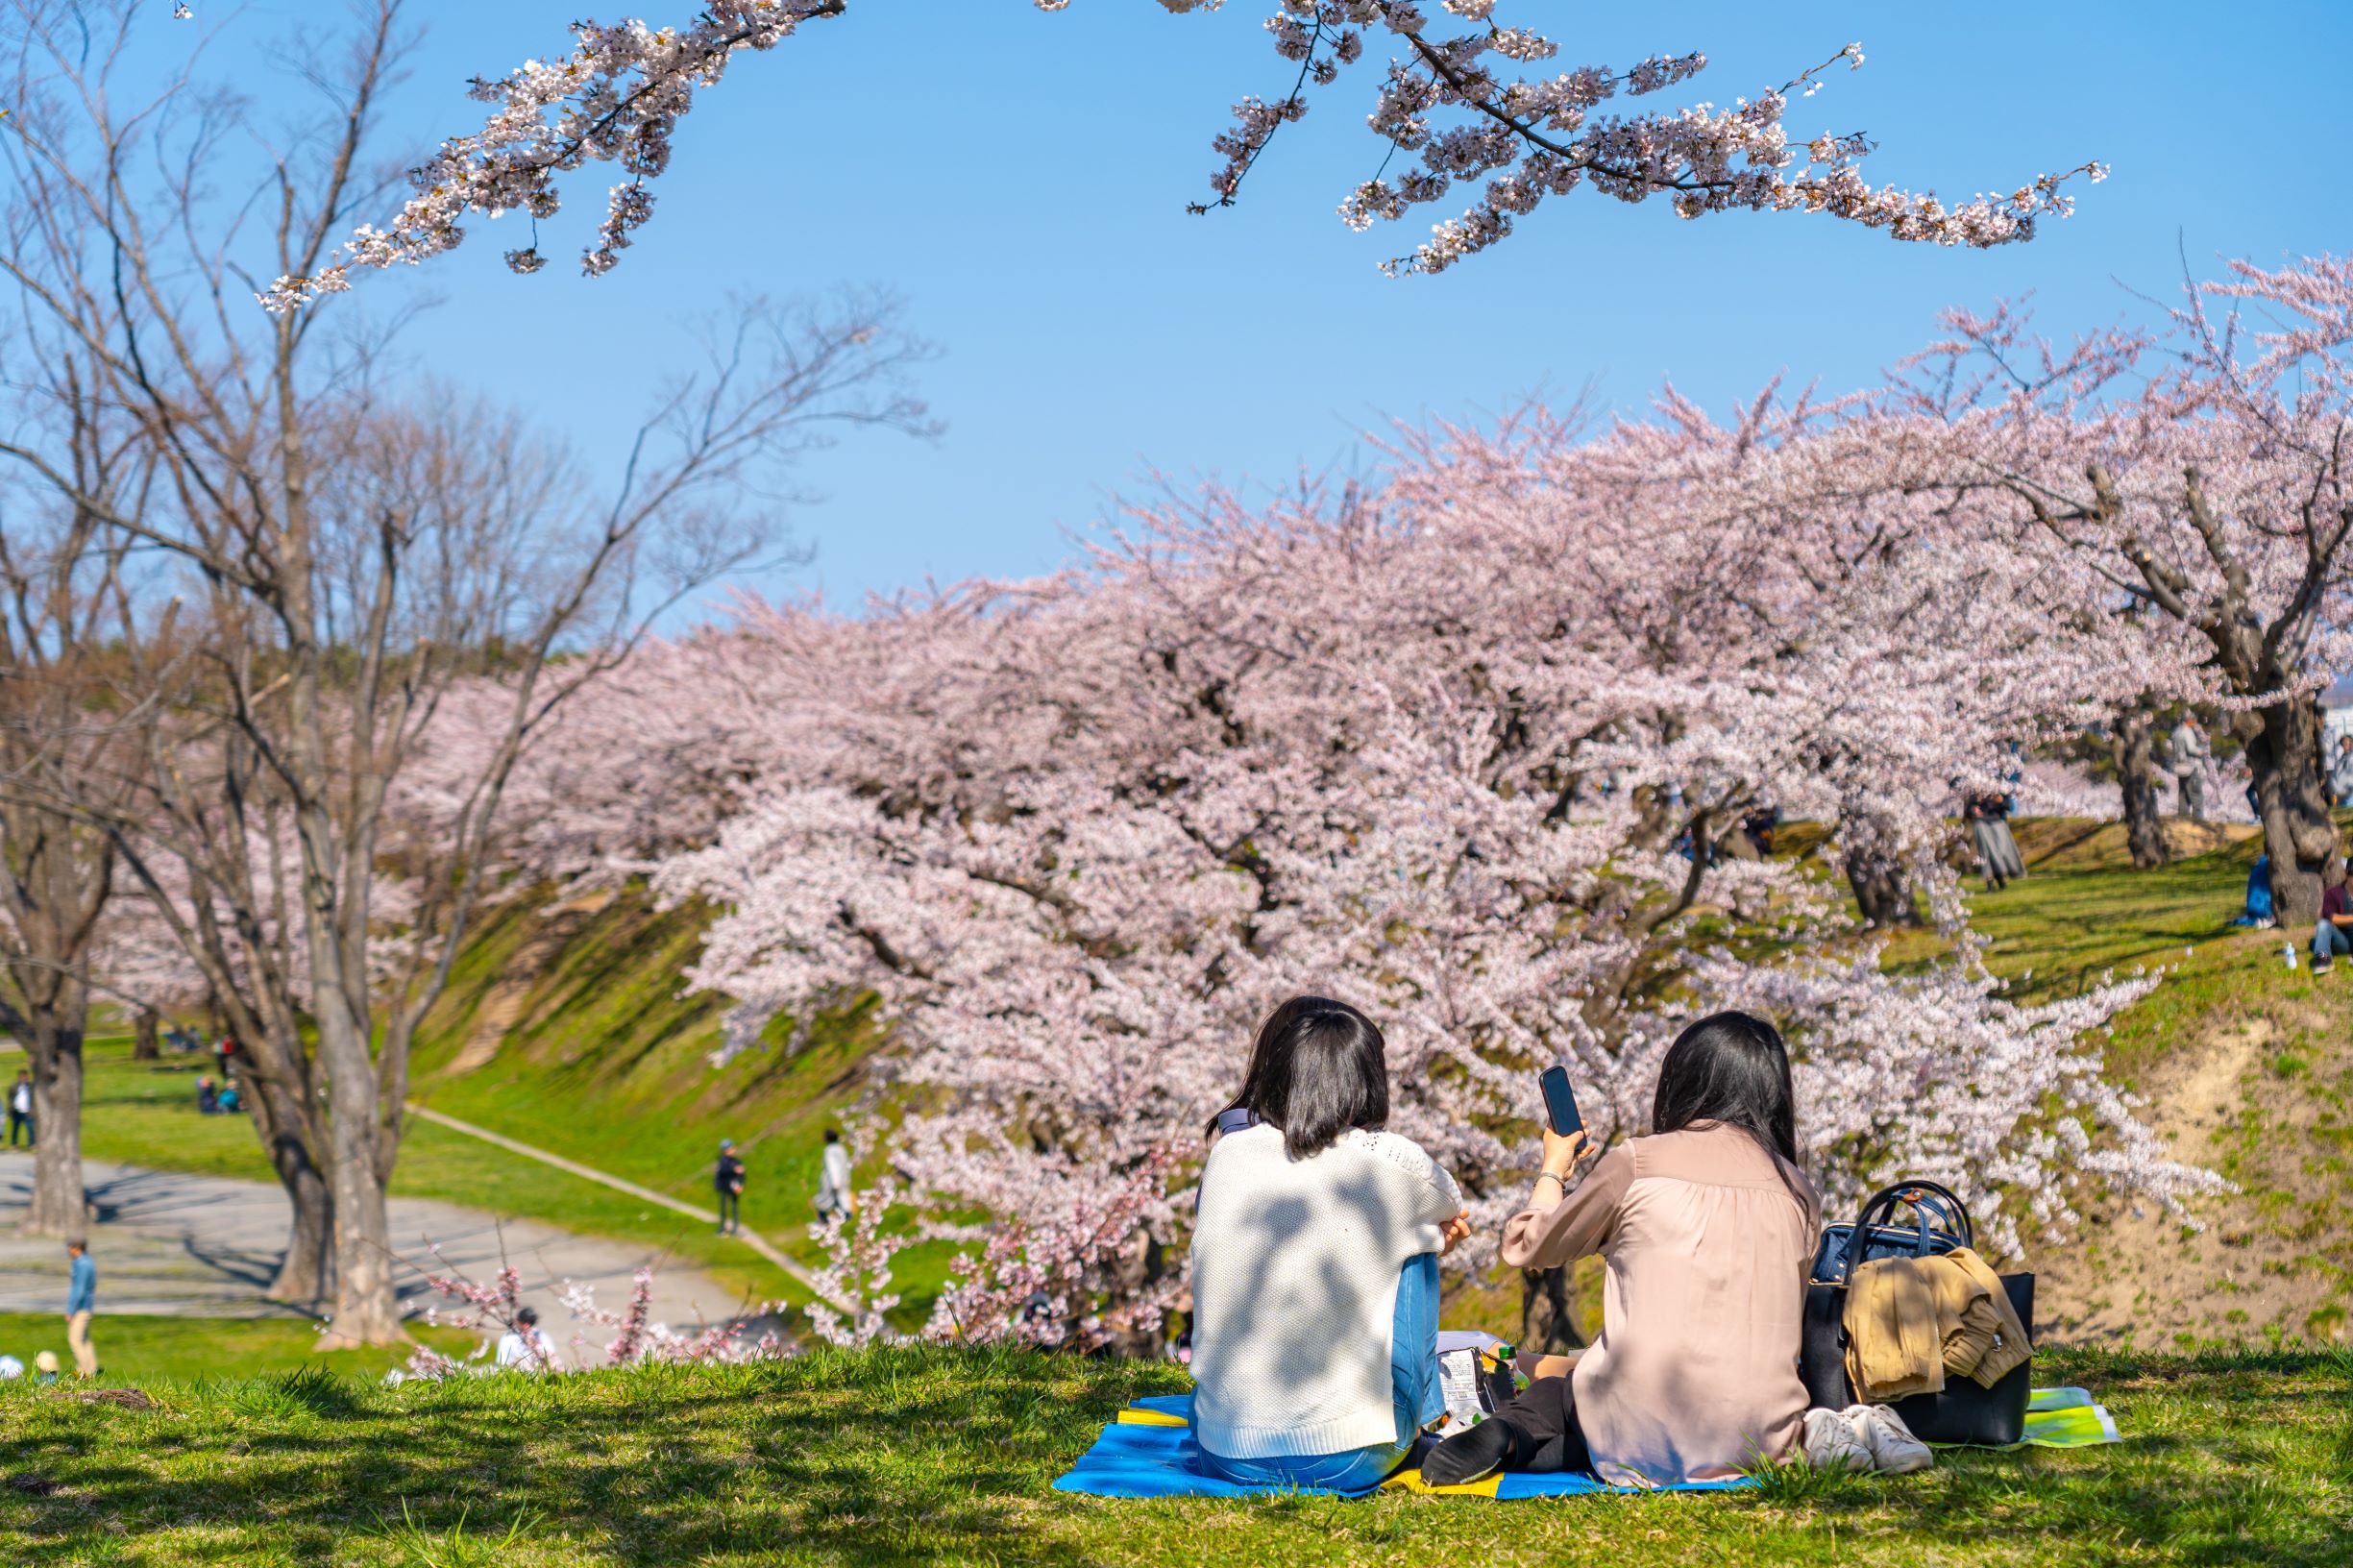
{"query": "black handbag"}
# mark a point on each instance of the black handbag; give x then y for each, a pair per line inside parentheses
(1962, 1412)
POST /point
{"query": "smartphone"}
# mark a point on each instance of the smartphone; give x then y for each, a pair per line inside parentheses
(1560, 1105)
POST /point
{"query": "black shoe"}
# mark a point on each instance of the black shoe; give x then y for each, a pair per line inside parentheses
(2321, 966)
(1469, 1456)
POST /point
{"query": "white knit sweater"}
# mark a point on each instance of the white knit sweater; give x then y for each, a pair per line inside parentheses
(1294, 1268)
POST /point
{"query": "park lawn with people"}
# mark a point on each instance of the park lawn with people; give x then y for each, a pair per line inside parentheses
(145, 1112)
(929, 1454)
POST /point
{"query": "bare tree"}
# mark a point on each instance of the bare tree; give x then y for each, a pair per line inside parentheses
(57, 870)
(351, 554)
(62, 578)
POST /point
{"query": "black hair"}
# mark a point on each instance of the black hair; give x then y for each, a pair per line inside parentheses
(527, 1318)
(1730, 1067)
(832, 1136)
(1317, 1068)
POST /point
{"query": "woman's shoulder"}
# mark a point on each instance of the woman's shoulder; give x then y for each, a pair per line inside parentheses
(1391, 1148)
(1713, 1152)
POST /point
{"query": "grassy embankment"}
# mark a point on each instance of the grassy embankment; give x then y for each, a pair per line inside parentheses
(945, 1457)
(2246, 1068)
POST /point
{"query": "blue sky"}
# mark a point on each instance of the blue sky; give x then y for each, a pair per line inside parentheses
(1019, 178)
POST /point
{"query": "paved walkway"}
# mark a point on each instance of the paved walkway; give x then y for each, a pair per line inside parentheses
(206, 1246)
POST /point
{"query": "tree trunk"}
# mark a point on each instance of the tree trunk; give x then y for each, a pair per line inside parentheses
(2133, 747)
(2284, 751)
(366, 1311)
(306, 1272)
(59, 1207)
(148, 1045)
(1882, 889)
(1548, 1312)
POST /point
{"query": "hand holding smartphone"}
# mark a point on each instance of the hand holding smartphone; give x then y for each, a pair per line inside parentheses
(1559, 1102)
(1562, 1124)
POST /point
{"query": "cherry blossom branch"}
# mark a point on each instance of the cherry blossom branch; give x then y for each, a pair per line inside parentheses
(620, 94)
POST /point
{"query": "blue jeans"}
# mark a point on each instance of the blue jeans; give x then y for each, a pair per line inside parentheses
(2328, 940)
(1414, 1385)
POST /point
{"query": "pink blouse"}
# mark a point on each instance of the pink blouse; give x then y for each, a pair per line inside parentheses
(1709, 1239)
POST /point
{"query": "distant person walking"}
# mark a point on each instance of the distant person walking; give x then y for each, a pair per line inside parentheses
(834, 1198)
(20, 1110)
(2190, 756)
(81, 1299)
(729, 1182)
(2340, 772)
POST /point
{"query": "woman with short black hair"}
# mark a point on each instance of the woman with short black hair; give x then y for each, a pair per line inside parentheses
(1315, 1264)
(1708, 1227)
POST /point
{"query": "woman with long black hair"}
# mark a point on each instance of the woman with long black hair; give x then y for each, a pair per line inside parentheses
(1315, 1264)
(1708, 1227)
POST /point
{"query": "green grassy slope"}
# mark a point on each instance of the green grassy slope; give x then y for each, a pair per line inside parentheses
(594, 1052)
(909, 1457)
(569, 1027)
(2246, 1068)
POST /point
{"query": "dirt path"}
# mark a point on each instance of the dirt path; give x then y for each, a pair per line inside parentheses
(204, 1246)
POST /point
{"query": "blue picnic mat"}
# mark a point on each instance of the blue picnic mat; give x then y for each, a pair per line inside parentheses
(1147, 1450)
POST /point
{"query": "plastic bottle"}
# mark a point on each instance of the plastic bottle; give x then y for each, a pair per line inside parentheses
(2287, 951)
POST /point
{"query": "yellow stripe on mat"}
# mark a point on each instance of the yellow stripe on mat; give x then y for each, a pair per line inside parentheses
(1410, 1480)
(1133, 1418)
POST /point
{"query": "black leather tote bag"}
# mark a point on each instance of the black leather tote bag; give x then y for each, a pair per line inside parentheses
(1962, 1412)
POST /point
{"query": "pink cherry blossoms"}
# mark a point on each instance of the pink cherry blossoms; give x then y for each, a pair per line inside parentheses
(1483, 746)
(495, 1307)
(1467, 109)
(1475, 747)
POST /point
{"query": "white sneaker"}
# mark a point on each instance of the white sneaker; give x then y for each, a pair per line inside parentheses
(1831, 1442)
(1893, 1449)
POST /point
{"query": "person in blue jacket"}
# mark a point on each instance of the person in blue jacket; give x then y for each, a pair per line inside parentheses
(81, 1298)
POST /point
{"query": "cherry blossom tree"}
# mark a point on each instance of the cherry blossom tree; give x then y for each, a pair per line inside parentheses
(1464, 96)
(2189, 490)
(1469, 747)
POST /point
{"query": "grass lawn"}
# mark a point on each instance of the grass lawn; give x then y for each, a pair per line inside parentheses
(145, 1113)
(945, 1457)
(145, 1351)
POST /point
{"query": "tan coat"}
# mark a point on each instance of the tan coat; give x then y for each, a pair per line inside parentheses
(1911, 1322)
(1709, 1239)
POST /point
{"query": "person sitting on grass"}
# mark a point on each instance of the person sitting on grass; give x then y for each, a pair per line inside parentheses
(525, 1345)
(1708, 1227)
(2330, 937)
(1315, 1265)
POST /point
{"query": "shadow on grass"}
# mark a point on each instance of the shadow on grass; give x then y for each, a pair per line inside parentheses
(926, 1456)
(895, 1460)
